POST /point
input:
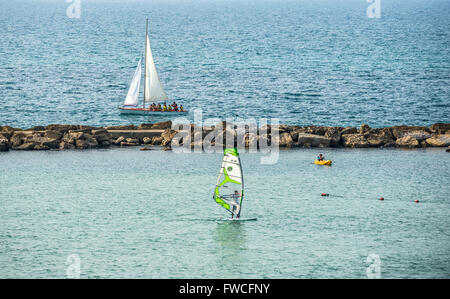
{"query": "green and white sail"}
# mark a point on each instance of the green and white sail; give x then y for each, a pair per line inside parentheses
(229, 190)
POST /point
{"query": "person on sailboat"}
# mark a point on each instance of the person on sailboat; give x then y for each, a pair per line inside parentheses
(158, 108)
(174, 106)
(164, 107)
(181, 108)
(236, 196)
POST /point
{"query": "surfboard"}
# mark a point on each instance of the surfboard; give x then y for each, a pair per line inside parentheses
(239, 219)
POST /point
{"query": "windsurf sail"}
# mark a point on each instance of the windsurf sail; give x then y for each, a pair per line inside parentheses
(229, 190)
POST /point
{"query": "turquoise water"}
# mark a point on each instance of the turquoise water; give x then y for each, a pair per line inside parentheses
(305, 62)
(129, 213)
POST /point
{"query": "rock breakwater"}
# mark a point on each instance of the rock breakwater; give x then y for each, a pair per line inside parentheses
(164, 134)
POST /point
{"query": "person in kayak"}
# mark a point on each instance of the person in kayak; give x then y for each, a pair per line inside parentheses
(320, 157)
(236, 196)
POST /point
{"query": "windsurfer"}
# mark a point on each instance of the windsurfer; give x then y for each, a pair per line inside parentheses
(236, 196)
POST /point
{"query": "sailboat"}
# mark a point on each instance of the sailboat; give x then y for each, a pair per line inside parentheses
(229, 191)
(153, 89)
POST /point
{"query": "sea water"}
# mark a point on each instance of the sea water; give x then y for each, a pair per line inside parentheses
(305, 62)
(150, 214)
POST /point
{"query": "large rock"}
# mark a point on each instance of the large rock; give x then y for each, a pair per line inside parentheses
(18, 138)
(440, 128)
(102, 135)
(125, 127)
(8, 131)
(146, 140)
(41, 147)
(119, 140)
(66, 146)
(402, 131)
(86, 143)
(280, 129)
(334, 134)
(145, 126)
(53, 134)
(364, 128)
(419, 135)
(283, 140)
(407, 142)
(348, 130)
(4, 143)
(441, 140)
(294, 134)
(310, 140)
(36, 128)
(132, 140)
(355, 141)
(28, 146)
(168, 134)
(379, 137)
(71, 137)
(157, 140)
(61, 128)
(38, 139)
(167, 137)
(314, 130)
(163, 125)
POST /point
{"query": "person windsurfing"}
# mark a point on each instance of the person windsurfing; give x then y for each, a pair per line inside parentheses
(236, 196)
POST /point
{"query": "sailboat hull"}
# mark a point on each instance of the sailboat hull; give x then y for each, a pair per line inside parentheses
(143, 111)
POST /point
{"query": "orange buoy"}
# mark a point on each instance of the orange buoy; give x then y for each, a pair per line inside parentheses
(381, 198)
(324, 194)
(416, 201)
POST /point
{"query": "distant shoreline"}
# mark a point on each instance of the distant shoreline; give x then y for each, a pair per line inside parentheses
(79, 137)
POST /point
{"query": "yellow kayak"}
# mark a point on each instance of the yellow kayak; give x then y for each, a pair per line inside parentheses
(326, 162)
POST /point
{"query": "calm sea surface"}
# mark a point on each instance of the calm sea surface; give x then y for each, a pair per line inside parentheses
(129, 213)
(305, 62)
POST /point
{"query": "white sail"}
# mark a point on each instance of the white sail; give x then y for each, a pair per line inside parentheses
(154, 91)
(133, 91)
(229, 190)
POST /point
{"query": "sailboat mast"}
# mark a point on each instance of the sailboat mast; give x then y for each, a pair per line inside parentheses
(145, 61)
